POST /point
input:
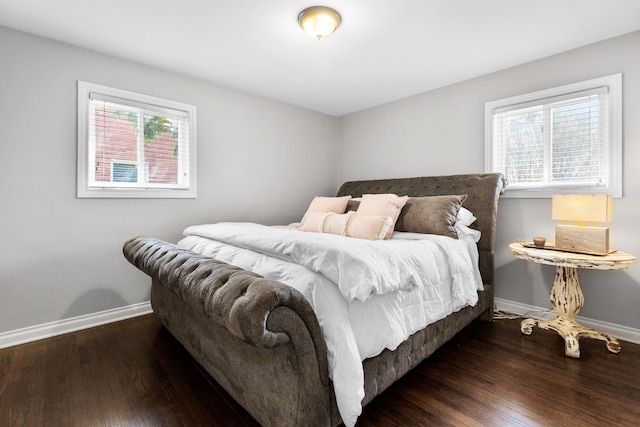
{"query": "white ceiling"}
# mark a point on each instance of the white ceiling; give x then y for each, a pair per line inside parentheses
(383, 51)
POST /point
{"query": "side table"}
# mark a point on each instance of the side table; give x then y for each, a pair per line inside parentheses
(566, 296)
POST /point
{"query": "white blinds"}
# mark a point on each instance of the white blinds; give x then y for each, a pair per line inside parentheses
(150, 108)
(137, 145)
(558, 141)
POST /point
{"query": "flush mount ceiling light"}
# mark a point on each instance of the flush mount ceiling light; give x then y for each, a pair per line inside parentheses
(319, 21)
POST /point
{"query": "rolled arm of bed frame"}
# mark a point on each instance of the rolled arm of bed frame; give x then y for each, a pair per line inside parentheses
(232, 322)
(239, 300)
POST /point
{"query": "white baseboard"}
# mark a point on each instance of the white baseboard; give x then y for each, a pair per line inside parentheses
(623, 332)
(51, 329)
(59, 327)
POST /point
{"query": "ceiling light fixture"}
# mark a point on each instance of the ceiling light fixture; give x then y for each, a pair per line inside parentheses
(319, 21)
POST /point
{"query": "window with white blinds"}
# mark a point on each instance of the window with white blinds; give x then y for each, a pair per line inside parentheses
(561, 140)
(134, 145)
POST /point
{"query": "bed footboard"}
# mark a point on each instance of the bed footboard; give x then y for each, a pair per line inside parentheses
(258, 338)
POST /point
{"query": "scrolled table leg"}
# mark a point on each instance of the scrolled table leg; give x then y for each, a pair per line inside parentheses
(571, 346)
(613, 345)
(526, 326)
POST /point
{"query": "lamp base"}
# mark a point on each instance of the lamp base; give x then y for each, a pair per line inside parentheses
(583, 239)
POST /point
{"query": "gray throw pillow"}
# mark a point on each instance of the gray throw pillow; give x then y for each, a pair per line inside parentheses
(431, 215)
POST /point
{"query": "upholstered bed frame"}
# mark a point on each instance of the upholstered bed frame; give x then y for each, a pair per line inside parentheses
(260, 339)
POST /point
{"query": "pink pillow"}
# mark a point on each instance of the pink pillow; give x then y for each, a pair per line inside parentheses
(350, 224)
(325, 204)
(383, 205)
(337, 223)
(369, 226)
(313, 221)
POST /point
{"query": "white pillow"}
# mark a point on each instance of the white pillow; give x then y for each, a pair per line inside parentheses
(465, 217)
(464, 231)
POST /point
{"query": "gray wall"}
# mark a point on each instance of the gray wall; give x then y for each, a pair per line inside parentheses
(442, 132)
(60, 256)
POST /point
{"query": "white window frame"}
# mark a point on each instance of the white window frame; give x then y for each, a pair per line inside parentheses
(614, 185)
(87, 188)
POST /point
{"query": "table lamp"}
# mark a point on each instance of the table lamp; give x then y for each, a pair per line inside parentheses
(582, 222)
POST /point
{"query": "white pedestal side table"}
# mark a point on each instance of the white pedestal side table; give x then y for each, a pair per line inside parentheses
(566, 295)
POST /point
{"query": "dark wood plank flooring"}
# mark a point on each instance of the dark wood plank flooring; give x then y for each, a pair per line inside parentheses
(134, 373)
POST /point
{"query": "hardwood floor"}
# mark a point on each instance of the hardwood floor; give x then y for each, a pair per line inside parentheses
(134, 373)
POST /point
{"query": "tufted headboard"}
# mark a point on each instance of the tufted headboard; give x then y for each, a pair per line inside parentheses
(482, 190)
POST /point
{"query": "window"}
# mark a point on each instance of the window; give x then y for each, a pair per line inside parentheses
(561, 140)
(133, 145)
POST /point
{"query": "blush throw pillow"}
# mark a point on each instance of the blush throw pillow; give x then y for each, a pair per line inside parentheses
(325, 204)
(336, 223)
(314, 221)
(382, 205)
(350, 224)
(369, 227)
(431, 215)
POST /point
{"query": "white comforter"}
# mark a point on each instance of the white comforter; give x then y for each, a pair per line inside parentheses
(367, 295)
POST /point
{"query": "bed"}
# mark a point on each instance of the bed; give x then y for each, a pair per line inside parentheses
(267, 343)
